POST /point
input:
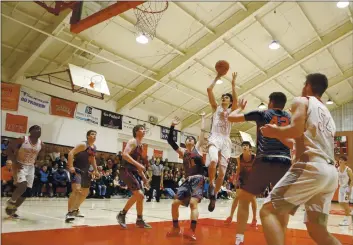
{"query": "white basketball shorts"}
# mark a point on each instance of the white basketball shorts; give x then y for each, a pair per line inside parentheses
(25, 174)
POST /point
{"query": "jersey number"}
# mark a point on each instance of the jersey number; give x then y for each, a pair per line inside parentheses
(280, 121)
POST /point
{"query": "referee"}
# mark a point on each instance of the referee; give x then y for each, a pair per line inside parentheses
(157, 179)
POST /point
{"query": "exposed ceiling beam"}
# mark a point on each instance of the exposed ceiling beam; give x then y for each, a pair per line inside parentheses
(107, 49)
(191, 52)
(41, 43)
(299, 57)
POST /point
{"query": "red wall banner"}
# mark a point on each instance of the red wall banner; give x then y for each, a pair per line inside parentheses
(157, 153)
(16, 123)
(63, 108)
(10, 95)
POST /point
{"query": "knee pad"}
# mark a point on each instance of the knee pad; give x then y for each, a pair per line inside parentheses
(27, 193)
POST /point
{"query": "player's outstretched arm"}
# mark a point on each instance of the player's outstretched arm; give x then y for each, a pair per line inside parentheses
(210, 94)
(201, 141)
(237, 115)
(297, 126)
(234, 93)
(171, 142)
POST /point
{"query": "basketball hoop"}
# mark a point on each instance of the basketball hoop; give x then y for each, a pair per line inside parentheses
(148, 16)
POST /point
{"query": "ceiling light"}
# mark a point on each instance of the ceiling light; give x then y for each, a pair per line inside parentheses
(142, 39)
(219, 82)
(342, 4)
(329, 102)
(274, 45)
(262, 106)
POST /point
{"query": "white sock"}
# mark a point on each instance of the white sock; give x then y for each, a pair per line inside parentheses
(239, 237)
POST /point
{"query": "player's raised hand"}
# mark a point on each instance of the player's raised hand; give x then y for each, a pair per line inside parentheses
(242, 103)
(176, 121)
(234, 78)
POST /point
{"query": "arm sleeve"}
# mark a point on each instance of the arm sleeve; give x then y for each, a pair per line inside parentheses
(256, 116)
(170, 139)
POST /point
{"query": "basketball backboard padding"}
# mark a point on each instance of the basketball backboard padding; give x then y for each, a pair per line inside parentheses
(101, 15)
(88, 79)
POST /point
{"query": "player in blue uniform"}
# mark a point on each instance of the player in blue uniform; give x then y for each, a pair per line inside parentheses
(191, 191)
(273, 158)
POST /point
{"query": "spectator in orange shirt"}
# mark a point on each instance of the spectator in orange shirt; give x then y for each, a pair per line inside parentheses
(6, 178)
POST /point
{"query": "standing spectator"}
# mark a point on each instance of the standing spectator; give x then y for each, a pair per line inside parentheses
(157, 180)
(60, 179)
(152, 161)
(4, 146)
(6, 178)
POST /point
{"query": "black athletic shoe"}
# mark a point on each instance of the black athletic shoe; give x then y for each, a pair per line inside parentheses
(10, 208)
(121, 219)
(69, 217)
(140, 223)
(212, 204)
(15, 216)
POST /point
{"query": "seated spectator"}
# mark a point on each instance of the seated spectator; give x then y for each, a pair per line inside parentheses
(224, 193)
(168, 186)
(101, 187)
(205, 188)
(6, 179)
(4, 145)
(182, 180)
(60, 179)
(44, 181)
(108, 182)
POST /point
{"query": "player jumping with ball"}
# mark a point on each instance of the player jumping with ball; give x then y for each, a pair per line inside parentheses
(219, 143)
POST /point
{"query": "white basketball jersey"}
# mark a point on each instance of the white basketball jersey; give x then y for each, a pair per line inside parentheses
(343, 177)
(317, 142)
(27, 154)
(220, 123)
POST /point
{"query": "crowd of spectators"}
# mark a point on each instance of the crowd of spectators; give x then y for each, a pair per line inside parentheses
(53, 180)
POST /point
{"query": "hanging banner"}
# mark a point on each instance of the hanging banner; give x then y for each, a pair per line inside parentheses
(34, 100)
(87, 113)
(16, 123)
(10, 94)
(165, 132)
(128, 124)
(157, 153)
(111, 120)
(62, 108)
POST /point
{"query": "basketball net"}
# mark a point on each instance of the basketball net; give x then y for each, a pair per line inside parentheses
(148, 16)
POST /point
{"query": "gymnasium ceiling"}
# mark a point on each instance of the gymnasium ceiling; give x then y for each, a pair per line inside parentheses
(191, 37)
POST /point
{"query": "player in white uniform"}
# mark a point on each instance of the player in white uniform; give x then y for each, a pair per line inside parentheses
(23, 152)
(312, 179)
(219, 143)
(345, 180)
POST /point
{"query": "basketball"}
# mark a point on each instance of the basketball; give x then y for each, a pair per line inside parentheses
(222, 67)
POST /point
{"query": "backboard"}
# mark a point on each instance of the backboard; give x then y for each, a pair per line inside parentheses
(86, 14)
(88, 79)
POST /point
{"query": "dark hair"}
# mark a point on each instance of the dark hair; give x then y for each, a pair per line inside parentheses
(137, 128)
(230, 97)
(190, 136)
(278, 99)
(318, 83)
(246, 143)
(89, 132)
(33, 128)
(344, 158)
